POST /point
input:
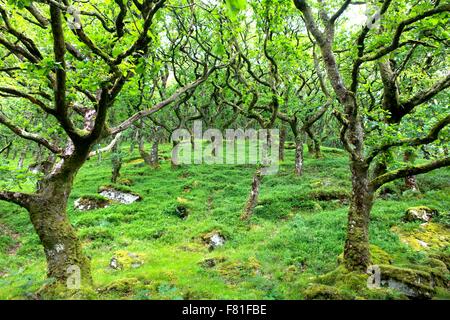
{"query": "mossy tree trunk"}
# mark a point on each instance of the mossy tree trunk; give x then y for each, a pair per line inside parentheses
(282, 142)
(48, 214)
(299, 155)
(22, 157)
(356, 250)
(253, 197)
(116, 161)
(410, 180)
(61, 246)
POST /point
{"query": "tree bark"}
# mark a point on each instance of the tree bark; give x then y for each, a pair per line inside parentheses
(49, 217)
(356, 250)
(172, 163)
(116, 161)
(282, 142)
(310, 145)
(410, 181)
(253, 197)
(152, 158)
(299, 155)
(22, 157)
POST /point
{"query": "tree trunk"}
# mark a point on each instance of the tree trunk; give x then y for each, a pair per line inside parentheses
(154, 153)
(317, 150)
(299, 155)
(310, 145)
(7, 151)
(410, 181)
(38, 154)
(173, 164)
(282, 142)
(313, 144)
(49, 217)
(134, 138)
(356, 251)
(116, 161)
(22, 157)
(253, 198)
(152, 158)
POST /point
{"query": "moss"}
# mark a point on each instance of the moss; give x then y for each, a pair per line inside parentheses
(96, 234)
(212, 262)
(120, 188)
(427, 236)
(442, 256)
(59, 291)
(413, 282)
(178, 209)
(379, 256)
(236, 270)
(324, 292)
(330, 193)
(420, 213)
(438, 265)
(94, 197)
(121, 286)
(126, 182)
(125, 260)
(342, 278)
(93, 201)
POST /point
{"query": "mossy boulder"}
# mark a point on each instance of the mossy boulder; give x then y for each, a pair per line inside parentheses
(123, 259)
(343, 284)
(121, 286)
(91, 202)
(330, 193)
(177, 209)
(214, 239)
(236, 270)
(211, 262)
(442, 256)
(420, 213)
(126, 182)
(344, 279)
(324, 292)
(427, 236)
(438, 265)
(119, 193)
(411, 282)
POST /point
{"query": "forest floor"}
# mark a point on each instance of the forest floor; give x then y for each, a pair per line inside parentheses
(296, 234)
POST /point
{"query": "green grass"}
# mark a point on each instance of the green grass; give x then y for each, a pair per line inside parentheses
(296, 233)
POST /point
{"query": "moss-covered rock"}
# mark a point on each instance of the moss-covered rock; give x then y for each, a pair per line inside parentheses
(119, 193)
(413, 283)
(420, 213)
(123, 259)
(438, 265)
(342, 278)
(213, 239)
(211, 262)
(126, 182)
(330, 193)
(426, 236)
(121, 286)
(324, 292)
(234, 271)
(91, 202)
(443, 256)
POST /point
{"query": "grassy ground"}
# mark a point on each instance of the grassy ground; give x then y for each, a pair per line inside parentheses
(295, 235)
